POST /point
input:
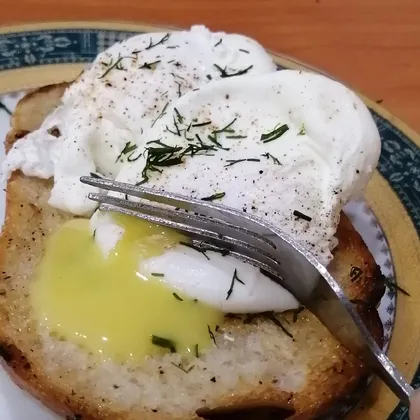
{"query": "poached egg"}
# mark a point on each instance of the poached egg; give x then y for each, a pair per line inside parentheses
(206, 115)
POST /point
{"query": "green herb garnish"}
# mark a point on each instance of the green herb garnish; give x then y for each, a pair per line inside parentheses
(179, 89)
(161, 114)
(213, 197)
(117, 65)
(277, 132)
(196, 351)
(213, 139)
(234, 278)
(201, 124)
(150, 66)
(391, 285)
(211, 334)
(128, 148)
(301, 215)
(224, 73)
(233, 162)
(226, 129)
(157, 157)
(273, 158)
(179, 116)
(177, 297)
(152, 45)
(219, 42)
(244, 51)
(177, 75)
(164, 343)
(158, 274)
(236, 137)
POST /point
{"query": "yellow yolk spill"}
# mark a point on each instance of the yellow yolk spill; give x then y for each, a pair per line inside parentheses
(106, 305)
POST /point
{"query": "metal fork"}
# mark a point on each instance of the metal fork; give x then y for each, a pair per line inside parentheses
(260, 243)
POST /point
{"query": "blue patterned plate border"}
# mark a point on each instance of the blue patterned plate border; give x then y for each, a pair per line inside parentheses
(399, 162)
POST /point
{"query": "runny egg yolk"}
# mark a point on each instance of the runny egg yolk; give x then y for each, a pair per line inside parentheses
(106, 305)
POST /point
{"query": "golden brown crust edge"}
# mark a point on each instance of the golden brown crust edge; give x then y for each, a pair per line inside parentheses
(351, 251)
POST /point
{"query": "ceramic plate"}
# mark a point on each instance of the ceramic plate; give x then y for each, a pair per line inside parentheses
(388, 219)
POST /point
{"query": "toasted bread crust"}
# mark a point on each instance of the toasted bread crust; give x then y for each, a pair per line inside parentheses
(29, 219)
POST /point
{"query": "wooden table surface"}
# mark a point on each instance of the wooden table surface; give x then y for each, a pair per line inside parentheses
(373, 45)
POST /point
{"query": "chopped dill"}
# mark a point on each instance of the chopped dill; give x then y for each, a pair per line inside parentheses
(150, 66)
(164, 343)
(273, 158)
(224, 73)
(213, 197)
(161, 114)
(232, 284)
(128, 148)
(211, 334)
(231, 162)
(277, 132)
(152, 45)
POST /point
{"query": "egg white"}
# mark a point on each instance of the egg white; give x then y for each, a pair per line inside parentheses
(325, 157)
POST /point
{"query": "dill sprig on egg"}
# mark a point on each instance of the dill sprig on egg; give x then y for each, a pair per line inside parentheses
(236, 137)
(158, 157)
(235, 278)
(300, 215)
(161, 114)
(216, 196)
(161, 41)
(226, 129)
(117, 65)
(128, 148)
(224, 73)
(231, 162)
(201, 124)
(150, 66)
(273, 158)
(179, 117)
(277, 132)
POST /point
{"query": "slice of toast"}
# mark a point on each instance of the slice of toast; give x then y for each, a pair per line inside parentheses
(263, 373)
